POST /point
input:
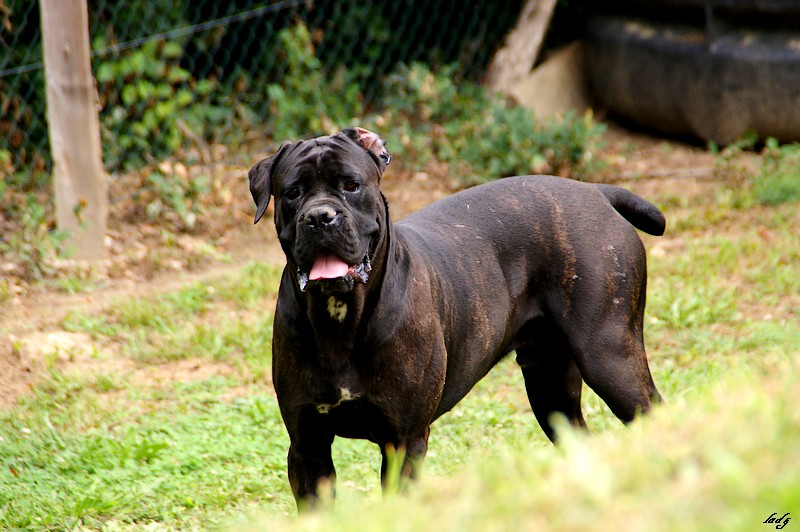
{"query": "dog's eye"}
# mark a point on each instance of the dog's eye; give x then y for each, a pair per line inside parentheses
(351, 185)
(292, 193)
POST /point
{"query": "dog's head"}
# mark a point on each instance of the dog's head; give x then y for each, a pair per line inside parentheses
(329, 211)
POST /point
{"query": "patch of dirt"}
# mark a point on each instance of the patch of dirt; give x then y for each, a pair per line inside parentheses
(633, 156)
(192, 369)
(33, 354)
(146, 260)
(26, 357)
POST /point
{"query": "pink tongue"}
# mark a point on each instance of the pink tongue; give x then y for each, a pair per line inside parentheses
(328, 266)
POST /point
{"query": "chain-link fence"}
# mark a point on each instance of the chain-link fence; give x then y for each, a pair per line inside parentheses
(174, 75)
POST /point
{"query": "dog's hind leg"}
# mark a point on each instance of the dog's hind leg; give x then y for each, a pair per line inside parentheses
(614, 364)
(553, 383)
(604, 328)
(402, 461)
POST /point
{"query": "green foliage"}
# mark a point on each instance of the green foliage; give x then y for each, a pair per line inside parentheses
(747, 141)
(178, 197)
(6, 163)
(356, 43)
(153, 107)
(33, 245)
(481, 136)
(23, 121)
(6, 290)
(156, 102)
(304, 102)
(22, 181)
(779, 178)
(417, 93)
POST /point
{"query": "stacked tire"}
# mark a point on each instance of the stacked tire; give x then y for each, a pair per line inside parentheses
(711, 69)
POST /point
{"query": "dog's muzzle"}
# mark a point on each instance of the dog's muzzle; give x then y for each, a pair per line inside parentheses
(328, 277)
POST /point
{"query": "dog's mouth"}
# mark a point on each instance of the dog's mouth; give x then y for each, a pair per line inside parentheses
(332, 273)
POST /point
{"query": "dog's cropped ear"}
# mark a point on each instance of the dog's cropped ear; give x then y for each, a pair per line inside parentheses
(372, 143)
(260, 177)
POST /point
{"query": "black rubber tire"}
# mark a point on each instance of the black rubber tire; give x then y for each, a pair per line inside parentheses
(672, 79)
(752, 6)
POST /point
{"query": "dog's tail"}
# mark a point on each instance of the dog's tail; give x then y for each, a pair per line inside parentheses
(639, 212)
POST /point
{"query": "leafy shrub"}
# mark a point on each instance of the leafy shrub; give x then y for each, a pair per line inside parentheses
(153, 106)
(304, 102)
(481, 136)
(177, 197)
(416, 92)
(32, 245)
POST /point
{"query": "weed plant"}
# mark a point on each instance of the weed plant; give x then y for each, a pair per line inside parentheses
(32, 247)
(481, 136)
(776, 179)
(779, 178)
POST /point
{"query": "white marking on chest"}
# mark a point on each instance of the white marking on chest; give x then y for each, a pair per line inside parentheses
(337, 309)
(344, 395)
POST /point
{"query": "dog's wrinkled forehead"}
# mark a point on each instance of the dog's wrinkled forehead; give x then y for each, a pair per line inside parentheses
(355, 150)
(330, 153)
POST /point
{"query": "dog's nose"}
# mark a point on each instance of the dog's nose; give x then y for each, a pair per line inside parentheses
(320, 217)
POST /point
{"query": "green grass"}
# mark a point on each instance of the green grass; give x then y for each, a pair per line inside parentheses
(112, 450)
(183, 456)
(779, 179)
(215, 321)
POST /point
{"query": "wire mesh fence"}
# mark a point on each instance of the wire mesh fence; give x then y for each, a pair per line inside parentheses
(173, 76)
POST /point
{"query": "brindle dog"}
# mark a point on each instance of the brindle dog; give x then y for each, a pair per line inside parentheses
(381, 328)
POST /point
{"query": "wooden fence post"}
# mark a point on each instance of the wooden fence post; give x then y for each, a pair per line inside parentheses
(79, 179)
(515, 59)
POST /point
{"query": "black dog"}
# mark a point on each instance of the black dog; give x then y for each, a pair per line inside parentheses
(381, 328)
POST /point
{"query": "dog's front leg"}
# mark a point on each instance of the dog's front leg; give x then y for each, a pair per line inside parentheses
(402, 461)
(311, 468)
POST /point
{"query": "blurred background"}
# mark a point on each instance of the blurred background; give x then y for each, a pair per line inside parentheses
(174, 76)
